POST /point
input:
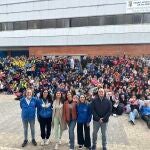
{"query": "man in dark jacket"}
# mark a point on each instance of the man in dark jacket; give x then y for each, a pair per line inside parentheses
(101, 110)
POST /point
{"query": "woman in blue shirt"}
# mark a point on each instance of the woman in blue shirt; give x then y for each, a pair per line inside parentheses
(83, 121)
(44, 111)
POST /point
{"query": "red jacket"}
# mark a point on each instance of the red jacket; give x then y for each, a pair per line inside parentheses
(66, 111)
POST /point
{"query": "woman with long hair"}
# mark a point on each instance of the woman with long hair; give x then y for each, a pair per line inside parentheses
(84, 116)
(44, 111)
(59, 124)
(70, 117)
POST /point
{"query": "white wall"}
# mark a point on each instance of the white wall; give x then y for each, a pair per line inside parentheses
(123, 34)
(19, 10)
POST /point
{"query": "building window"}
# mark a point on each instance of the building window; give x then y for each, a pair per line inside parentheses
(20, 25)
(62, 23)
(48, 24)
(128, 19)
(94, 21)
(109, 20)
(0, 27)
(4, 26)
(146, 18)
(79, 22)
(120, 19)
(137, 18)
(7, 26)
(34, 24)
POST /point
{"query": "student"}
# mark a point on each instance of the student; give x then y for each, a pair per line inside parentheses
(28, 106)
(134, 114)
(59, 124)
(83, 123)
(45, 115)
(145, 112)
(70, 117)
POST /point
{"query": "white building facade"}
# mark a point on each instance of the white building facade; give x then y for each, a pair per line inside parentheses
(31, 24)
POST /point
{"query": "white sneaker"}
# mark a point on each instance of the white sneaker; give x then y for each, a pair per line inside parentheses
(59, 142)
(43, 142)
(46, 141)
(56, 146)
(114, 115)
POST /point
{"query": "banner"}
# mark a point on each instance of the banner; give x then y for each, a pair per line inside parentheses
(137, 6)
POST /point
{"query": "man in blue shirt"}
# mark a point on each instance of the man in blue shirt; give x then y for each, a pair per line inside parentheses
(145, 112)
(28, 105)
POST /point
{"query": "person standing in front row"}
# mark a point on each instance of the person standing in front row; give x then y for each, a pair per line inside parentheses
(28, 106)
(101, 111)
(83, 122)
(57, 119)
(44, 112)
(70, 117)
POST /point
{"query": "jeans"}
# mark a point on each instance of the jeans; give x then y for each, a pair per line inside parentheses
(133, 115)
(96, 126)
(71, 125)
(32, 127)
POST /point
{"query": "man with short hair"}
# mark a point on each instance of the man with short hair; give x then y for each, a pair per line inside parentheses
(28, 105)
(101, 110)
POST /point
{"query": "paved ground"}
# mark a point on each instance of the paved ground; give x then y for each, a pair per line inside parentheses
(121, 134)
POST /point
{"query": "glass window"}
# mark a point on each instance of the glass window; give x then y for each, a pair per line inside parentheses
(34, 24)
(136, 18)
(94, 21)
(20, 25)
(146, 18)
(62, 23)
(109, 20)
(120, 19)
(48, 23)
(0, 27)
(102, 20)
(4, 26)
(79, 22)
(128, 19)
(7, 26)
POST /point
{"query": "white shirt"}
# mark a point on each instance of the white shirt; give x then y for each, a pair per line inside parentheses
(28, 101)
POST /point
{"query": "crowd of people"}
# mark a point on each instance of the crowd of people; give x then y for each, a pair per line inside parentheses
(69, 82)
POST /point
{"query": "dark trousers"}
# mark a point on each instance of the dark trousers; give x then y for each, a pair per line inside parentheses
(146, 118)
(45, 126)
(83, 136)
(114, 110)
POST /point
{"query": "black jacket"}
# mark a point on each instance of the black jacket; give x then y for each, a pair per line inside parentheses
(101, 109)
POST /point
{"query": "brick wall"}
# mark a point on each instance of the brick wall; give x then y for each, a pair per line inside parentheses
(133, 50)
